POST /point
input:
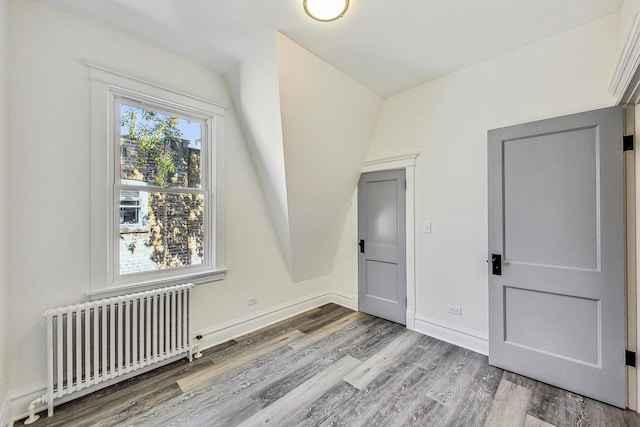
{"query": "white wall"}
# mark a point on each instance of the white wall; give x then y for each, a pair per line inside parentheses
(4, 186)
(344, 275)
(309, 127)
(49, 202)
(447, 121)
(255, 90)
(328, 120)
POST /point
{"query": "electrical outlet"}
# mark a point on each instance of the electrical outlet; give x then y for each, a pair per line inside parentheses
(252, 301)
(454, 309)
(427, 227)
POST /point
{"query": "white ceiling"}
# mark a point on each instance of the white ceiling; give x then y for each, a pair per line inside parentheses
(387, 45)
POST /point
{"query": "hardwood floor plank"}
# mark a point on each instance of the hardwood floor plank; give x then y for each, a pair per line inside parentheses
(322, 408)
(519, 380)
(591, 412)
(316, 335)
(398, 408)
(369, 369)
(277, 413)
(365, 404)
(282, 326)
(474, 406)
(451, 376)
(292, 374)
(126, 392)
(326, 317)
(380, 333)
(227, 394)
(509, 405)
(118, 415)
(115, 412)
(429, 413)
(309, 362)
(453, 373)
(562, 408)
(224, 365)
(231, 389)
(306, 320)
(631, 418)
(530, 421)
(546, 404)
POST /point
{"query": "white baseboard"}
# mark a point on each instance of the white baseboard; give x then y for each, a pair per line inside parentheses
(411, 321)
(4, 412)
(344, 300)
(454, 334)
(20, 399)
(252, 322)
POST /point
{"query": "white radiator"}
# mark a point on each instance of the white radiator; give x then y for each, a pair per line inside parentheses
(95, 344)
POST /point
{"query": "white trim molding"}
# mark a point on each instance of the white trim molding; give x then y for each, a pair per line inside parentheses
(408, 163)
(397, 162)
(626, 79)
(107, 74)
(344, 299)
(19, 401)
(453, 334)
(4, 412)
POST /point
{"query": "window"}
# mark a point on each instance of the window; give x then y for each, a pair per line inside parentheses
(131, 213)
(161, 167)
(162, 156)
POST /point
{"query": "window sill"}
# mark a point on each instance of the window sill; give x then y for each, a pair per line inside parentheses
(196, 279)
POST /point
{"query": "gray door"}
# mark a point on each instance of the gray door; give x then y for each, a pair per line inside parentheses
(382, 289)
(556, 252)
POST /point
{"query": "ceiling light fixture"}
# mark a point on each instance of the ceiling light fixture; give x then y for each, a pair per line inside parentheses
(325, 10)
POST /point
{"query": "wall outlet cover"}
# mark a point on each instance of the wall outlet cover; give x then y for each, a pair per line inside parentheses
(454, 309)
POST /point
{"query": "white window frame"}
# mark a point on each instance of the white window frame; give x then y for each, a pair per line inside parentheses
(109, 87)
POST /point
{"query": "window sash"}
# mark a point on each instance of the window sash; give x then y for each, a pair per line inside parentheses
(206, 166)
(206, 163)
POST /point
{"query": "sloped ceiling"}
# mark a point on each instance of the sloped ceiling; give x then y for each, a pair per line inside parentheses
(389, 46)
(308, 142)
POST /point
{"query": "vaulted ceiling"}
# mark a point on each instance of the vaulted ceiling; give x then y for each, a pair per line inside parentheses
(386, 45)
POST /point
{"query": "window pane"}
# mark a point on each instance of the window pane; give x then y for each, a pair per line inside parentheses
(159, 149)
(171, 232)
(129, 216)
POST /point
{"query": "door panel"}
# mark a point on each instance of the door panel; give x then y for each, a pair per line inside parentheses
(556, 312)
(546, 223)
(381, 224)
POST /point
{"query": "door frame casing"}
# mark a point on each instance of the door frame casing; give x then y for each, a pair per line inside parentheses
(408, 163)
(625, 88)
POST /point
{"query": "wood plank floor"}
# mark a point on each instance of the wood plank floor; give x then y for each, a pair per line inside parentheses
(333, 367)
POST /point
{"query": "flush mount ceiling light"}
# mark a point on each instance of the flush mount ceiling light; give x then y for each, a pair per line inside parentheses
(325, 10)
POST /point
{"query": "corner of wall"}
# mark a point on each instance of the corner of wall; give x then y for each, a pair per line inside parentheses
(4, 412)
(454, 334)
(4, 12)
(343, 283)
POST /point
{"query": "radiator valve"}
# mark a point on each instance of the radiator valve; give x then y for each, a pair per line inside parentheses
(32, 409)
(198, 354)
